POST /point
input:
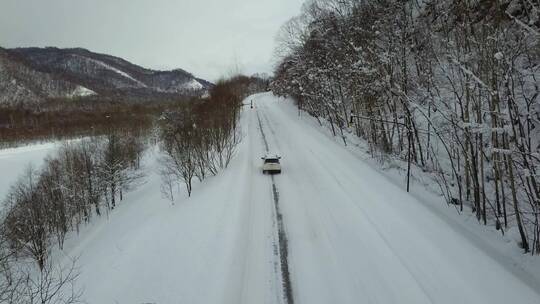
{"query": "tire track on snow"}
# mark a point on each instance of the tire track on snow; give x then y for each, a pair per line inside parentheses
(283, 245)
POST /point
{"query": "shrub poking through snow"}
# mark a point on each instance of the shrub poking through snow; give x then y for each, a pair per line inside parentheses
(200, 139)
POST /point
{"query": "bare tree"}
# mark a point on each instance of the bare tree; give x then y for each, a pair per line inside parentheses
(448, 86)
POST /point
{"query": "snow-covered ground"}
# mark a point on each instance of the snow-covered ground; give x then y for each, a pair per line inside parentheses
(193, 84)
(14, 161)
(354, 235)
(122, 73)
(81, 91)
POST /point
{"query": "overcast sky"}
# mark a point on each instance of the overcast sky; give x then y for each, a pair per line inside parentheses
(204, 37)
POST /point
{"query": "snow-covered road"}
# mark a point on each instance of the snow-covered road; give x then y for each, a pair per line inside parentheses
(353, 235)
(356, 237)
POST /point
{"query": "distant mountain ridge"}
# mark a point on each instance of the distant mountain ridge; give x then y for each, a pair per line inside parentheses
(30, 75)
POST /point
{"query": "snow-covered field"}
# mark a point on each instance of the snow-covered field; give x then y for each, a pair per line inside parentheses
(354, 235)
(14, 161)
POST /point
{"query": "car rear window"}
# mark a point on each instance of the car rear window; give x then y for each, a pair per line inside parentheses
(271, 161)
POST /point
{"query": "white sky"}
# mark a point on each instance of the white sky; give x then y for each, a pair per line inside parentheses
(205, 37)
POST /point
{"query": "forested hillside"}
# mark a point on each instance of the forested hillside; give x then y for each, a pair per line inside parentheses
(449, 86)
(32, 76)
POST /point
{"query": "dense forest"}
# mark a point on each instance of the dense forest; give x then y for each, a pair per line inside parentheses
(451, 87)
(62, 119)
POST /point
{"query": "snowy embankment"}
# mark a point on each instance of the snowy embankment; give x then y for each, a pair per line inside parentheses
(354, 235)
(504, 247)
